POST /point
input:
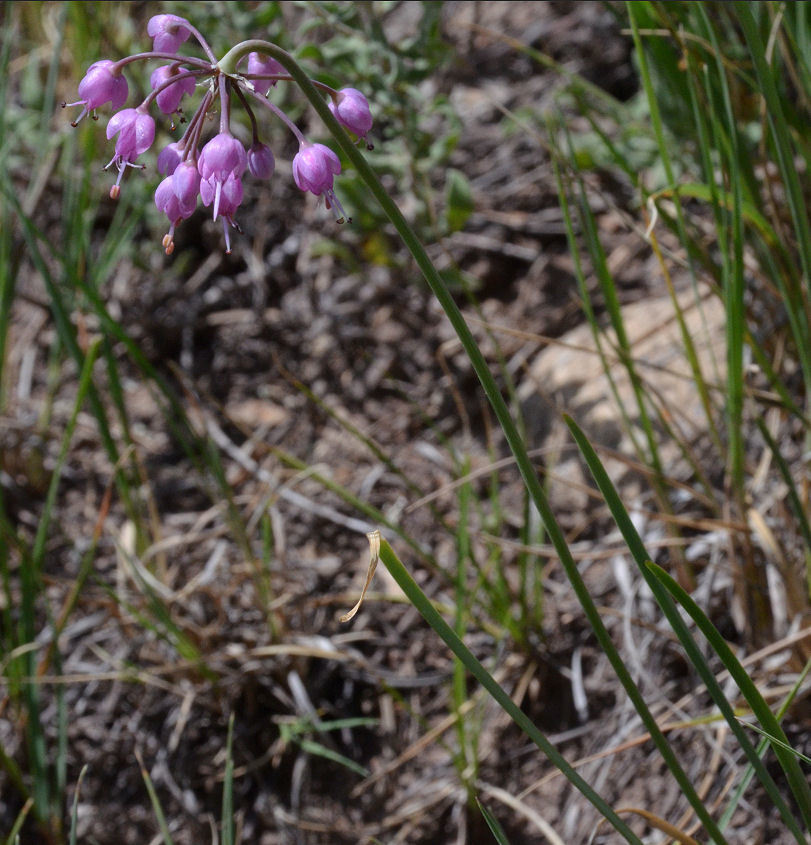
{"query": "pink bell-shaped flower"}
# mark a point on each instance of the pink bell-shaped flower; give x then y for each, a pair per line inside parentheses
(169, 158)
(169, 98)
(100, 85)
(168, 32)
(313, 168)
(221, 158)
(351, 109)
(222, 155)
(261, 162)
(261, 64)
(136, 132)
(222, 162)
(226, 196)
(186, 185)
(167, 201)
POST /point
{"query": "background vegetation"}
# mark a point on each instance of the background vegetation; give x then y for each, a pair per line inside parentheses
(192, 450)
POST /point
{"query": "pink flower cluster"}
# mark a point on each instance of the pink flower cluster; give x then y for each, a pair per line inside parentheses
(212, 171)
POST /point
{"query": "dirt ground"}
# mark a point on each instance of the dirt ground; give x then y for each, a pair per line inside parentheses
(247, 341)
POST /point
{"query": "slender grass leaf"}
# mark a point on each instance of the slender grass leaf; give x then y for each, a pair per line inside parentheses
(762, 711)
(452, 640)
(228, 787)
(156, 804)
(694, 655)
(492, 822)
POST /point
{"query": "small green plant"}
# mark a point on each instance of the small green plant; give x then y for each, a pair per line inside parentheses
(300, 731)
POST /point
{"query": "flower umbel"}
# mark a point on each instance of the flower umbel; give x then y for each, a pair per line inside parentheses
(212, 170)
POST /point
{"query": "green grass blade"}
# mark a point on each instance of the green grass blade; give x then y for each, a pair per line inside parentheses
(641, 557)
(492, 822)
(12, 838)
(317, 749)
(228, 788)
(13, 773)
(788, 761)
(793, 497)
(681, 226)
(563, 189)
(612, 305)
(85, 382)
(749, 773)
(340, 724)
(369, 511)
(775, 382)
(780, 136)
(773, 740)
(732, 266)
(161, 620)
(466, 757)
(67, 335)
(156, 804)
(512, 436)
(60, 764)
(31, 590)
(416, 596)
(8, 283)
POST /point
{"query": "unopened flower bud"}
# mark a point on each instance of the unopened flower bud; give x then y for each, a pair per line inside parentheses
(260, 161)
(169, 98)
(169, 158)
(351, 109)
(259, 63)
(168, 32)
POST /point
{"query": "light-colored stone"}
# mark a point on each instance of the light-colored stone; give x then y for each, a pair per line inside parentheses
(569, 377)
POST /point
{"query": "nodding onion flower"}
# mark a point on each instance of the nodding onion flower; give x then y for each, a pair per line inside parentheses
(211, 170)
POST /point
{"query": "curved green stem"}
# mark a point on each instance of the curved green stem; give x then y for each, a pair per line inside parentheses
(497, 402)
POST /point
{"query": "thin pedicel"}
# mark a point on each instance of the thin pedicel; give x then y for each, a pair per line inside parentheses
(211, 171)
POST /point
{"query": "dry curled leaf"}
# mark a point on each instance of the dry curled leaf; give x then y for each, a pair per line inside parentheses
(374, 556)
